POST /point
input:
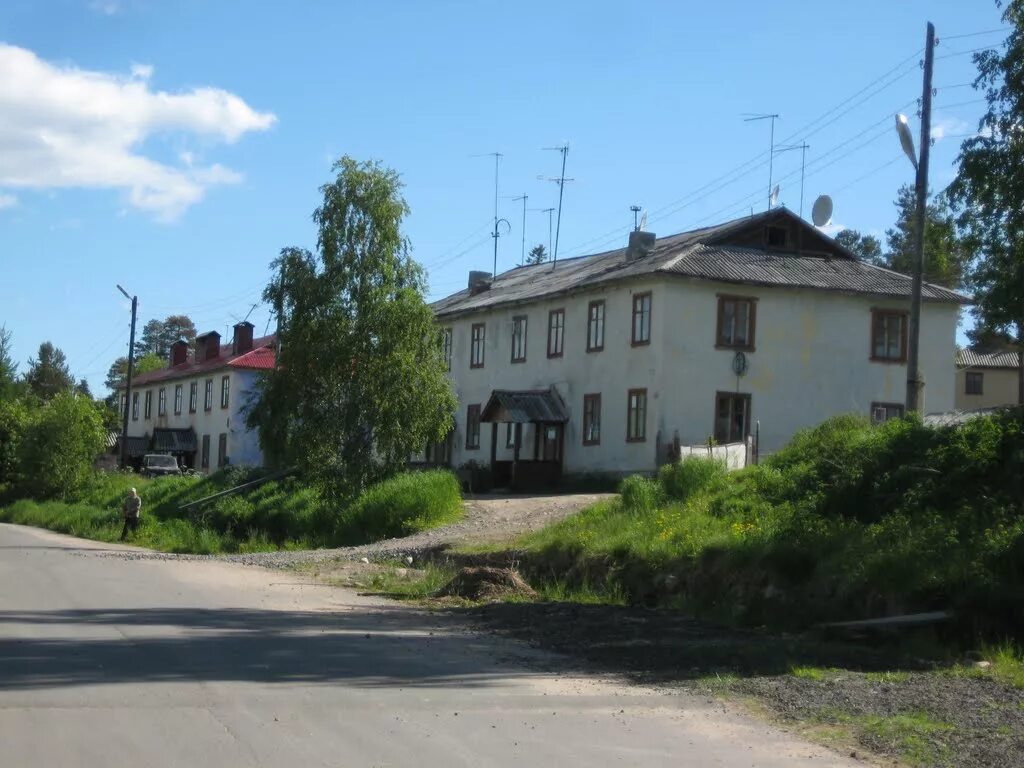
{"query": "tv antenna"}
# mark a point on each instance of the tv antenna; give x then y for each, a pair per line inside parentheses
(246, 318)
(748, 118)
(497, 230)
(564, 149)
(524, 197)
(636, 212)
(803, 167)
(548, 211)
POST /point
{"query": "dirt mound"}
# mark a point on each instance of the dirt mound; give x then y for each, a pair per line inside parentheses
(485, 583)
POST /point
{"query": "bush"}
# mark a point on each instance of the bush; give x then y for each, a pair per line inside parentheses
(640, 495)
(682, 479)
(407, 503)
(60, 442)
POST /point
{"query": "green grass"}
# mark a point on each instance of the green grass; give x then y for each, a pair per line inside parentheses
(408, 583)
(1006, 665)
(812, 673)
(915, 737)
(282, 514)
(888, 676)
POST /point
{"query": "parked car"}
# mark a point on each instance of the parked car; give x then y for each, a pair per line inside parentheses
(157, 465)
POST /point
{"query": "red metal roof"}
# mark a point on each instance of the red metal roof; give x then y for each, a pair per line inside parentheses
(259, 358)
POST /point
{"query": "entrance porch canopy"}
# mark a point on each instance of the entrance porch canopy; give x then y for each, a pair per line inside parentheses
(538, 406)
(543, 408)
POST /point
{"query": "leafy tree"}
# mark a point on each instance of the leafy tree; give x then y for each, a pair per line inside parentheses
(82, 388)
(538, 255)
(118, 372)
(986, 339)
(361, 383)
(14, 414)
(988, 191)
(157, 336)
(946, 254)
(866, 247)
(8, 368)
(60, 442)
(48, 374)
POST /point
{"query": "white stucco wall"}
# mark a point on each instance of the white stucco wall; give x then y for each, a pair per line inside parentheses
(242, 444)
(811, 362)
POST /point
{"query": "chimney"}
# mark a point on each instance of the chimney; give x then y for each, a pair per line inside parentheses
(207, 347)
(479, 281)
(640, 244)
(179, 352)
(242, 341)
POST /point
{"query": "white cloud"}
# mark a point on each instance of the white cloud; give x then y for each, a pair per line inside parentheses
(64, 127)
(949, 126)
(106, 7)
(7, 201)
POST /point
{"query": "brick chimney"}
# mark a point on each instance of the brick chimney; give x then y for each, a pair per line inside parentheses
(242, 341)
(479, 281)
(179, 352)
(640, 244)
(207, 347)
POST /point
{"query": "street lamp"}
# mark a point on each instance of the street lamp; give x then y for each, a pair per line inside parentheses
(128, 382)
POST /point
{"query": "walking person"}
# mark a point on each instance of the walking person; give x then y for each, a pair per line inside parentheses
(132, 509)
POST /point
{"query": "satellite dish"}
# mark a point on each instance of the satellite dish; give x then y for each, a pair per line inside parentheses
(821, 213)
(643, 221)
(906, 138)
(774, 199)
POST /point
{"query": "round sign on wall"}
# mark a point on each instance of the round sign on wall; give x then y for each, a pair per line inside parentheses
(739, 364)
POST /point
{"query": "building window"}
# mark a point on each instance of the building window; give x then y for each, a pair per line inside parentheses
(193, 396)
(641, 319)
(208, 396)
(592, 419)
(519, 339)
(595, 326)
(888, 336)
(732, 417)
(124, 405)
(975, 382)
(510, 435)
(148, 408)
(736, 320)
(556, 332)
(135, 406)
(775, 237)
(882, 412)
(476, 347)
(473, 427)
(222, 450)
(636, 416)
(161, 402)
(177, 400)
(205, 456)
(446, 347)
(225, 391)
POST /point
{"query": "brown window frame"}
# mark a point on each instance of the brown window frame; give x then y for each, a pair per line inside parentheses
(222, 450)
(135, 406)
(193, 396)
(751, 301)
(204, 453)
(147, 408)
(641, 423)
(178, 397)
(208, 395)
(556, 333)
(595, 324)
(975, 376)
(639, 298)
(594, 400)
(900, 407)
(748, 402)
(473, 429)
(516, 336)
(876, 316)
(446, 347)
(476, 344)
(161, 401)
(225, 391)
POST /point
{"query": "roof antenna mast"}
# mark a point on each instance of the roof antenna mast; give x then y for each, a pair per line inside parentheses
(522, 254)
(497, 232)
(636, 212)
(771, 147)
(564, 149)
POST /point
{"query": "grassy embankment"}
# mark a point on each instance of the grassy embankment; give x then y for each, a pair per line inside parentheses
(281, 514)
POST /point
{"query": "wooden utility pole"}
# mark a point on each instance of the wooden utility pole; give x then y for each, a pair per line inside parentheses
(920, 217)
(128, 380)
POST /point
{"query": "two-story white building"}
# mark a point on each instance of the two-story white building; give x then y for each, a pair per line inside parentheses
(600, 363)
(193, 409)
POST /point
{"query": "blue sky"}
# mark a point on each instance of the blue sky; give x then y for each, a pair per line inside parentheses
(175, 148)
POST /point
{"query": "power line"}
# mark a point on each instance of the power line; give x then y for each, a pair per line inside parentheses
(954, 54)
(977, 34)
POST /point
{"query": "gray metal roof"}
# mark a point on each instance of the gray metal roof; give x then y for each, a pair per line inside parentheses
(174, 440)
(968, 358)
(699, 255)
(524, 407)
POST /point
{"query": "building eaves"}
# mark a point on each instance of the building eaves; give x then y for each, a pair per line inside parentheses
(969, 358)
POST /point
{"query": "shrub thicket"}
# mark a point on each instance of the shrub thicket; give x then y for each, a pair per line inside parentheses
(406, 503)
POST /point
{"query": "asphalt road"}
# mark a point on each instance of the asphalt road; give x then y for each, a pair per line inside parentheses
(108, 661)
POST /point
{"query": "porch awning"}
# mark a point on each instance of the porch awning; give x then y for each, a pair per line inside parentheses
(135, 446)
(174, 440)
(542, 406)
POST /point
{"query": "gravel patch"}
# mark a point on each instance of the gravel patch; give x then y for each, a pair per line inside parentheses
(489, 518)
